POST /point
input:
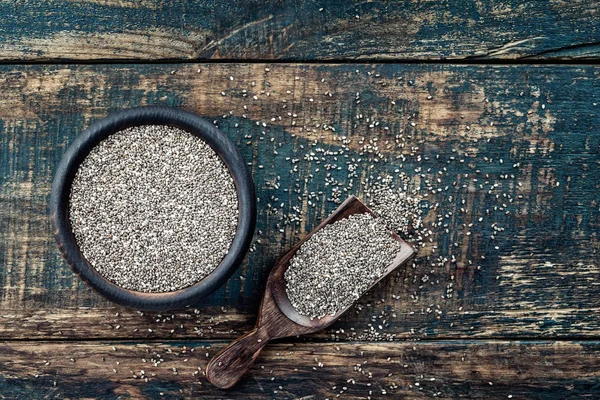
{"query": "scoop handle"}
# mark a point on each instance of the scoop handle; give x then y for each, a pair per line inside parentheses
(231, 363)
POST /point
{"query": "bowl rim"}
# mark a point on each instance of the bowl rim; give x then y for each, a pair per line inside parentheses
(152, 115)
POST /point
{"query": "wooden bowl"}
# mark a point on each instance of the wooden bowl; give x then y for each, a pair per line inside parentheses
(80, 148)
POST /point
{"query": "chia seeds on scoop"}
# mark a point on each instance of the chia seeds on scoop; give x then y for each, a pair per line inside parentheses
(338, 264)
(153, 208)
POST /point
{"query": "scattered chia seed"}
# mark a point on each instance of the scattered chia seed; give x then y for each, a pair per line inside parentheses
(153, 208)
(338, 264)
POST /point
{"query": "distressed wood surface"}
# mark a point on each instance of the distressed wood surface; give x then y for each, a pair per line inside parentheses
(411, 370)
(540, 282)
(298, 30)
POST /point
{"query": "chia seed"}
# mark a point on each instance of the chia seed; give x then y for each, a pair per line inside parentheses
(338, 264)
(153, 208)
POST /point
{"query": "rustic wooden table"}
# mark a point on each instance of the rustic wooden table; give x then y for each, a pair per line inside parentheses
(497, 102)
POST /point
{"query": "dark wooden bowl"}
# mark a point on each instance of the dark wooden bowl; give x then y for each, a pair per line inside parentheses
(80, 148)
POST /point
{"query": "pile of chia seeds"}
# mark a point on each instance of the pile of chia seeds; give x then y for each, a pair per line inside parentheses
(153, 208)
(397, 205)
(338, 264)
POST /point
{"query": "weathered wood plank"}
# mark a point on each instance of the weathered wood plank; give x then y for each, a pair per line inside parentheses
(412, 370)
(298, 30)
(540, 281)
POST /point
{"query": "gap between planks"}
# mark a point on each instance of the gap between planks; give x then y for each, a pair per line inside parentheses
(362, 61)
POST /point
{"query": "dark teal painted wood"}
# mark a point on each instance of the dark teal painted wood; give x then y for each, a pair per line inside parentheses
(547, 256)
(299, 30)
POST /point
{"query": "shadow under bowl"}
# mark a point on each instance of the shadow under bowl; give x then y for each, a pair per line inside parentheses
(100, 130)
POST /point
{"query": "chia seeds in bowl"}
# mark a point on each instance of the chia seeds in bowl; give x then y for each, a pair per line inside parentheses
(153, 208)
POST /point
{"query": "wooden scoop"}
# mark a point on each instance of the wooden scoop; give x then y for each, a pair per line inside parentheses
(277, 317)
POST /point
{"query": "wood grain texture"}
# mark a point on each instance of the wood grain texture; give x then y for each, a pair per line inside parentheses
(541, 281)
(410, 370)
(298, 30)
